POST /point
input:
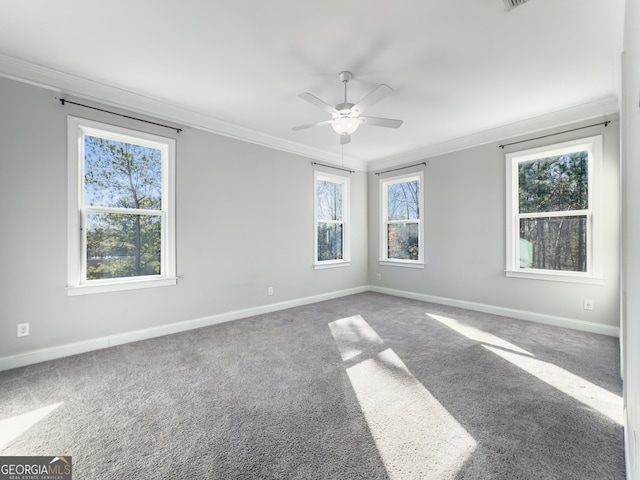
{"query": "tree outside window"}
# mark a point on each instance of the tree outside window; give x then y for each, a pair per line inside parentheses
(332, 228)
(558, 184)
(401, 219)
(121, 177)
(121, 217)
(551, 206)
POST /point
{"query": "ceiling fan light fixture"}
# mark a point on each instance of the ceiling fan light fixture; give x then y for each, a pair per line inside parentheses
(345, 125)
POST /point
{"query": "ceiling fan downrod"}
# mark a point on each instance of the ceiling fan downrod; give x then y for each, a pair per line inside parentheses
(345, 77)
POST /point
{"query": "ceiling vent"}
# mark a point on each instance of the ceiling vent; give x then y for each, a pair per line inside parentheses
(511, 4)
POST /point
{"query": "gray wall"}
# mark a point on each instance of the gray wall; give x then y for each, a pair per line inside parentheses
(464, 222)
(244, 222)
(630, 118)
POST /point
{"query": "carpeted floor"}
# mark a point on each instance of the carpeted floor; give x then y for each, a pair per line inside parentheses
(362, 387)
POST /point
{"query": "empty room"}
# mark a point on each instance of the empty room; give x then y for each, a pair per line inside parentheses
(320, 240)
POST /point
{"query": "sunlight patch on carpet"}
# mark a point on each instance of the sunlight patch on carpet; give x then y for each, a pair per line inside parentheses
(476, 334)
(353, 335)
(593, 396)
(414, 433)
(11, 428)
(605, 402)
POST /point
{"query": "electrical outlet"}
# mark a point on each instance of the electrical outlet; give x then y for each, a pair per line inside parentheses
(23, 329)
(379, 277)
(270, 291)
(588, 304)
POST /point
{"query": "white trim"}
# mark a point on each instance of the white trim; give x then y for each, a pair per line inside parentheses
(505, 312)
(118, 286)
(57, 81)
(76, 270)
(331, 264)
(52, 353)
(401, 263)
(593, 275)
(42, 355)
(345, 201)
(555, 276)
(132, 101)
(384, 214)
(596, 110)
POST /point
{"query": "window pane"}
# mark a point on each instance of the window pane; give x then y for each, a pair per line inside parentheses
(554, 184)
(403, 200)
(402, 241)
(120, 245)
(329, 241)
(329, 200)
(554, 243)
(118, 174)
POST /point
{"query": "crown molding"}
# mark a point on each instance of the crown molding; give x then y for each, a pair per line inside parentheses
(68, 84)
(597, 109)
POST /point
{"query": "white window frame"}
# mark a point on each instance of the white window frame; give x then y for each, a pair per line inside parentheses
(346, 225)
(593, 275)
(77, 283)
(384, 220)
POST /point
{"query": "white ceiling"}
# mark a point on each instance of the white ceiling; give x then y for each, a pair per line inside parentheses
(463, 71)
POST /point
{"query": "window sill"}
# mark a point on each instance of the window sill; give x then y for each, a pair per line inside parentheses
(555, 277)
(322, 266)
(400, 263)
(120, 286)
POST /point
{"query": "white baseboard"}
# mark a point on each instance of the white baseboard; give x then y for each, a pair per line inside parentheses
(41, 355)
(505, 312)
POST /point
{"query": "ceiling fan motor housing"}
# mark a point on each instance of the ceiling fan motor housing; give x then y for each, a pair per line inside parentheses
(345, 108)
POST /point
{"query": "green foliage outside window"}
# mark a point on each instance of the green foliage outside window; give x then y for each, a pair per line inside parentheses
(554, 184)
(121, 175)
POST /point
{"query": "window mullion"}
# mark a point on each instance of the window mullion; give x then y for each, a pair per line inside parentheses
(123, 211)
(563, 213)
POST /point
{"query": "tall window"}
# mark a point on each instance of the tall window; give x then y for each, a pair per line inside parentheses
(332, 220)
(402, 200)
(121, 225)
(552, 199)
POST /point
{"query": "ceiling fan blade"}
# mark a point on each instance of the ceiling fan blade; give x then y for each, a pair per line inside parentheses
(374, 97)
(318, 103)
(315, 124)
(344, 139)
(381, 122)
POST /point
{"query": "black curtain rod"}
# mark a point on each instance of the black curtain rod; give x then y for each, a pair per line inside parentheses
(331, 166)
(401, 168)
(605, 123)
(63, 101)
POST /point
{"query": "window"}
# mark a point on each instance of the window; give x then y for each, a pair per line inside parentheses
(121, 208)
(552, 198)
(401, 208)
(332, 220)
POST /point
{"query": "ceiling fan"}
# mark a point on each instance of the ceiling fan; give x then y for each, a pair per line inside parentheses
(346, 117)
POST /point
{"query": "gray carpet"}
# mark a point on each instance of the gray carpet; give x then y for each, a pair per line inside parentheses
(362, 387)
